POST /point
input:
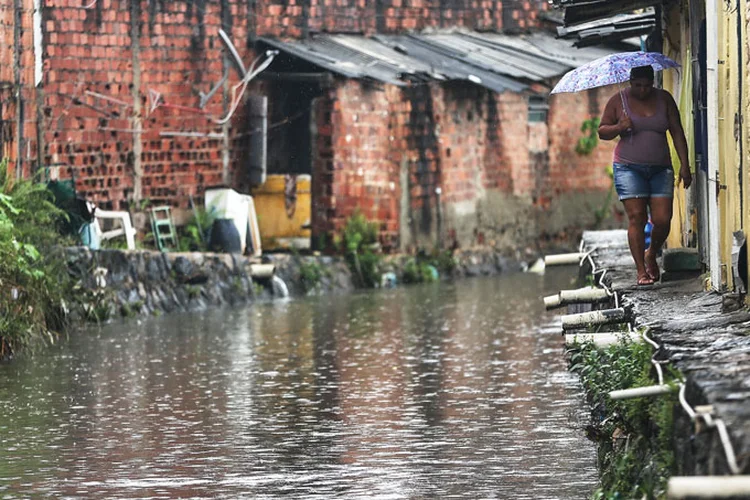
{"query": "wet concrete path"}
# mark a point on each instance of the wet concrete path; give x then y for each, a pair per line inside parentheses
(702, 337)
(440, 391)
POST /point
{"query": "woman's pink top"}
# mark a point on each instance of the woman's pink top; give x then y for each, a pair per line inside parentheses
(646, 143)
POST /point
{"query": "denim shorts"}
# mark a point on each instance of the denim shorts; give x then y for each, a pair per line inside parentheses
(643, 181)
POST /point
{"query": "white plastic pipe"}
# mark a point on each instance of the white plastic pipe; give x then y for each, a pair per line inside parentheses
(584, 295)
(603, 339)
(552, 301)
(641, 392)
(262, 270)
(708, 486)
(603, 317)
(563, 259)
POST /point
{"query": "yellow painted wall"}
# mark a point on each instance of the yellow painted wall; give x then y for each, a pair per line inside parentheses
(730, 202)
(679, 84)
(744, 12)
(275, 225)
(734, 195)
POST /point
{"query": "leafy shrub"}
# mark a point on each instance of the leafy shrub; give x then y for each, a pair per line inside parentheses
(418, 270)
(359, 243)
(310, 274)
(33, 277)
(641, 468)
(194, 234)
(588, 142)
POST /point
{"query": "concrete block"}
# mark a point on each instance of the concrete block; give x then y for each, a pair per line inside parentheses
(681, 259)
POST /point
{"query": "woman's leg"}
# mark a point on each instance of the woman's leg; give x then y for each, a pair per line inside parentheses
(635, 208)
(661, 217)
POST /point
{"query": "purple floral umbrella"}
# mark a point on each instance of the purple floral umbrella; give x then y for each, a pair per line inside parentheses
(611, 69)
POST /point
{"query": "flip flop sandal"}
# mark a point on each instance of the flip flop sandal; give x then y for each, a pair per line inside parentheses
(651, 274)
(645, 281)
(652, 270)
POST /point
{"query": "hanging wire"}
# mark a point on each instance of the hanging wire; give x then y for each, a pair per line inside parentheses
(242, 84)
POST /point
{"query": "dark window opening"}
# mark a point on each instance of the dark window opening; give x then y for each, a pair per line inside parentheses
(538, 108)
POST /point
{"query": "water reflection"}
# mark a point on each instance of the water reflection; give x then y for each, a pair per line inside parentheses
(450, 391)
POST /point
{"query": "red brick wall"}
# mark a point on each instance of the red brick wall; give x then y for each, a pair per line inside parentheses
(100, 116)
(285, 18)
(494, 169)
(569, 171)
(103, 67)
(461, 111)
(354, 167)
(17, 69)
(513, 115)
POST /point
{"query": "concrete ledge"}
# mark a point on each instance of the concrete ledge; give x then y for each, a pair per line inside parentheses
(710, 347)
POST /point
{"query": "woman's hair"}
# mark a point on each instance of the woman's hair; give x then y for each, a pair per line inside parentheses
(646, 72)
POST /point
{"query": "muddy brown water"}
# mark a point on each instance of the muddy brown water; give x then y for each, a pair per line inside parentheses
(423, 392)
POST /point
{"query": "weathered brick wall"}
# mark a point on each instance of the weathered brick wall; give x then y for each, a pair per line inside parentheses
(17, 80)
(461, 111)
(382, 150)
(570, 171)
(122, 98)
(292, 18)
(513, 120)
(363, 176)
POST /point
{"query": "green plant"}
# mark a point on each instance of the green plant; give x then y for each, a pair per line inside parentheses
(444, 261)
(359, 242)
(33, 278)
(238, 286)
(634, 435)
(417, 270)
(193, 291)
(590, 139)
(194, 235)
(310, 274)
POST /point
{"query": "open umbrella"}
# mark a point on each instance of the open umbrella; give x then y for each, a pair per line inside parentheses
(611, 69)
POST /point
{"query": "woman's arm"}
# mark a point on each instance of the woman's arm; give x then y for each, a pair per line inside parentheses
(678, 139)
(610, 126)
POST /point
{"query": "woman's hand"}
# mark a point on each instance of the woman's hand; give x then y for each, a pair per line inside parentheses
(625, 123)
(685, 176)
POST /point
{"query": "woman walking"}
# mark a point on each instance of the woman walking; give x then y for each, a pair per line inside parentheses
(644, 179)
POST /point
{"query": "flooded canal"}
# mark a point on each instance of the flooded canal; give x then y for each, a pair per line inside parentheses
(427, 392)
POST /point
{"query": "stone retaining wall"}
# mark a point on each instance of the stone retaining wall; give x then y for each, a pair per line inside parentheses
(130, 283)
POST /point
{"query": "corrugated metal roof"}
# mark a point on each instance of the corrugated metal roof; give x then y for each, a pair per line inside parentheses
(580, 11)
(506, 60)
(610, 29)
(451, 63)
(496, 61)
(543, 45)
(323, 51)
